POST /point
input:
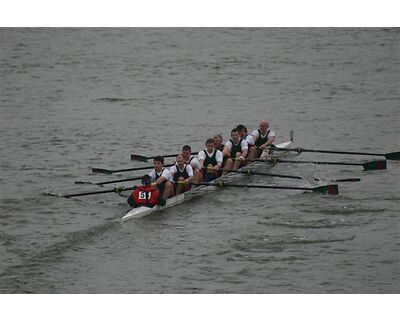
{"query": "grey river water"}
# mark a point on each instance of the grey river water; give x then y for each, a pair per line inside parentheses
(72, 99)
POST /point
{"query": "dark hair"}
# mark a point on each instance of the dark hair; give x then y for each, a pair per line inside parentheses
(159, 159)
(234, 130)
(241, 127)
(210, 140)
(186, 147)
(146, 179)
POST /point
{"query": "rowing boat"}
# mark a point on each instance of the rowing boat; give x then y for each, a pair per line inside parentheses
(200, 190)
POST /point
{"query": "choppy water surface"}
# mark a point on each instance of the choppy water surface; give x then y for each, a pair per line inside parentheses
(72, 99)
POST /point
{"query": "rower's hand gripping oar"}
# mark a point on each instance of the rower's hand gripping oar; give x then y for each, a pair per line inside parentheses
(139, 157)
(388, 156)
(327, 189)
(117, 190)
(371, 165)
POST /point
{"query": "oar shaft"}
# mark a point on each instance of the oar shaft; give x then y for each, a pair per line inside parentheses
(98, 192)
(321, 162)
(372, 165)
(99, 170)
(251, 172)
(330, 189)
(145, 158)
(389, 156)
(115, 181)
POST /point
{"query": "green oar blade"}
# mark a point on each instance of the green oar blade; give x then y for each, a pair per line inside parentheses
(328, 189)
(375, 165)
(392, 156)
(99, 170)
(347, 180)
(138, 157)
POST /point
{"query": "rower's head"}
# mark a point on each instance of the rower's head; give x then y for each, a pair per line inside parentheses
(242, 130)
(146, 180)
(235, 135)
(186, 152)
(158, 163)
(180, 161)
(217, 140)
(264, 125)
(210, 145)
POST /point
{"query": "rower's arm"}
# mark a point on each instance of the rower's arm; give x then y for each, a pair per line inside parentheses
(226, 152)
(190, 173)
(159, 180)
(268, 143)
(201, 163)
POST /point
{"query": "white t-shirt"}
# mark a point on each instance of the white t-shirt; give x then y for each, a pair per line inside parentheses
(243, 144)
(188, 169)
(194, 162)
(219, 156)
(250, 140)
(256, 135)
(165, 173)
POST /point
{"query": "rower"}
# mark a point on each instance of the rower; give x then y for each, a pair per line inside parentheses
(250, 141)
(193, 161)
(235, 150)
(219, 146)
(146, 195)
(218, 142)
(161, 177)
(210, 158)
(263, 137)
(183, 173)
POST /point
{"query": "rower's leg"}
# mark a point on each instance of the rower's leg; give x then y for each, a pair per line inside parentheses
(180, 187)
(167, 190)
(228, 164)
(196, 176)
(252, 153)
(237, 163)
(258, 153)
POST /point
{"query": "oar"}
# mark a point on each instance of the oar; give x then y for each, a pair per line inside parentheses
(108, 182)
(117, 190)
(371, 165)
(99, 170)
(252, 172)
(329, 189)
(145, 158)
(388, 156)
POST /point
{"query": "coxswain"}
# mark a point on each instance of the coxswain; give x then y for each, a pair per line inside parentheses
(161, 177)
(249, 139)
(146, 195)
(263, 137)
(193, 161)
(210, 160)
(235, 150)
(182, 175)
